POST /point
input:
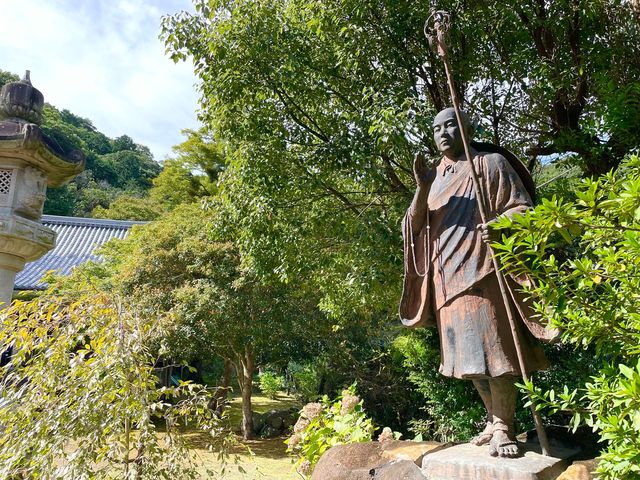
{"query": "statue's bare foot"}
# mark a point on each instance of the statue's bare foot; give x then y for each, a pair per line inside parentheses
(503, 445)
(484, 437)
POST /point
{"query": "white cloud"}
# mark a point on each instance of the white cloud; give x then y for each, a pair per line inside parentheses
(103, 60)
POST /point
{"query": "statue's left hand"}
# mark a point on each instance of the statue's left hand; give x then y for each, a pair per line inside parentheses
(488, 234)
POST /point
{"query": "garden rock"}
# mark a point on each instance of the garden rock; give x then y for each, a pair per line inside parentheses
(398, 470)
(413, 451)
(361, 461)
(274, 422)
(580, 470)
(349, 462)
(258, 421)
(290, 419)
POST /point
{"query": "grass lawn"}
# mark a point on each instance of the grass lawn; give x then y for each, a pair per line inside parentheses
(267, 461)
(263, 459)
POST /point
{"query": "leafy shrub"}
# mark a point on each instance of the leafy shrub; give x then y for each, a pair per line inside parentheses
(305, 380)
(584, 256)
(80, 398)
(326, 424)
(270, 384)
(452, 410)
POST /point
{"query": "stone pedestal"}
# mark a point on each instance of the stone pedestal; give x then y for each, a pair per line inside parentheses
(401, 460)
(21, 241)
(9, 266)
(469, 462)
(29, 162)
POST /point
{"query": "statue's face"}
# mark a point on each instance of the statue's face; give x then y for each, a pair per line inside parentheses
(447, 134)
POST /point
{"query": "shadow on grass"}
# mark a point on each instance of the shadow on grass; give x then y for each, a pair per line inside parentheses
(263, 459)
(268, 447)
(260, 447)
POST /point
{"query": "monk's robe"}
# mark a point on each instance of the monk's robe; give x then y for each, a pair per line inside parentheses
(450, 279)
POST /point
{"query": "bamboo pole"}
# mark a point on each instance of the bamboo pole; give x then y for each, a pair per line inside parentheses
(441, 24)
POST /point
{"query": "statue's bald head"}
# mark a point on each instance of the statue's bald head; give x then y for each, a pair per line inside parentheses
(446, 132)
(450, 113)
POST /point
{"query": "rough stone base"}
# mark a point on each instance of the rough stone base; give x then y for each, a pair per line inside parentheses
(360, 461)
(469, 462)
(398, 470)
(399, 460)
(581, 470)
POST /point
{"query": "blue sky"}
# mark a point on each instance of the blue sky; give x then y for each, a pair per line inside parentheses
(101, 59)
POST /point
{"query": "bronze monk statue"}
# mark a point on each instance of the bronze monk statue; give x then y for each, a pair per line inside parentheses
(450, 280)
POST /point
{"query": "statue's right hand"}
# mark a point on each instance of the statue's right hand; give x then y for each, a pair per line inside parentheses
(422, 170)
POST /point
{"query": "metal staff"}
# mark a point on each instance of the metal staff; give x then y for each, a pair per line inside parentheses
(441, 23)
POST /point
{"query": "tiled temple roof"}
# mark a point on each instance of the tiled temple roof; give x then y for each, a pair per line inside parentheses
(76, 240)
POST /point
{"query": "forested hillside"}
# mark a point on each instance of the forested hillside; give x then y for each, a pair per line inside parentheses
(115, 166)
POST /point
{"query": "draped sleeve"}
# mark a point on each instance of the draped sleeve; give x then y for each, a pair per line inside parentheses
(416, 308)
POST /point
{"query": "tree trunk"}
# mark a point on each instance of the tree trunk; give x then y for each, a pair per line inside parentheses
(225, 380)
(219, 400)
(245, 379)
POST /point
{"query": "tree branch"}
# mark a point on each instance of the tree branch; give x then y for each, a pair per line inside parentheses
(391, 174)
(288, 102)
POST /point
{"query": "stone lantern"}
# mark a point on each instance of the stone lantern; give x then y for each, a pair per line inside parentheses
(29, 162)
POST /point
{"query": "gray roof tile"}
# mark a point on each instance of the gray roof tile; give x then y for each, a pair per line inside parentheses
(76, 240)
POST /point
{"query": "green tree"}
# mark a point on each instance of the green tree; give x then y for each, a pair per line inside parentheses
(123, 143)
(325, 104)
(80, 398)
(193, 173)
(7, 77)
(201, 153)
(126, 207)
(185, 266)
(175, 185)
(113, 167)
(325, 75)
(127, 168)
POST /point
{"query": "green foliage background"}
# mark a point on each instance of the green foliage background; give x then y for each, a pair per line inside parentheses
(325, 122)
(280, 218)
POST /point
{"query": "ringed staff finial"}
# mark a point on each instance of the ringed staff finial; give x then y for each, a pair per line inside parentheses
(436, 29)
